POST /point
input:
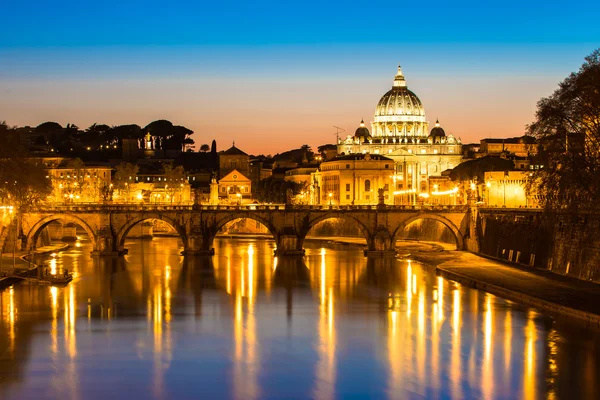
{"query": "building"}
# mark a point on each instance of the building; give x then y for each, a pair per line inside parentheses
(523, 146)
(400, 131)
(233, 159)
(303, 176)
(75, 182)
(354, 180)
(508, 189)
(235, 188)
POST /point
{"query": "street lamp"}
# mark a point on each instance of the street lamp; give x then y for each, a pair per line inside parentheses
(330, 197)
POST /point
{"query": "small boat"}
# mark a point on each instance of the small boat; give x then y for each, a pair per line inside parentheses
(58, 279)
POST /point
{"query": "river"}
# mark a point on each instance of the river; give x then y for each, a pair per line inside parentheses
(246, 325)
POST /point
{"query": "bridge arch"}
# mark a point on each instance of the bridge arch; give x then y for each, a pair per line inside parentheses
(303, 232)
(458, 236)
(241, 215)
(34, 233)
(126, 228)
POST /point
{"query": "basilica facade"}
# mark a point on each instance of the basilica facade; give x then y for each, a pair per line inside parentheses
(400, 132)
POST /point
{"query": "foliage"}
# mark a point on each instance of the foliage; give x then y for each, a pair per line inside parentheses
(300, 156)
(49, 127)
(468, 170)
(125, 174)
(275, 190)
(567, 126)
(175, 177)
(23, 182)
(171, 137)
(205, 148)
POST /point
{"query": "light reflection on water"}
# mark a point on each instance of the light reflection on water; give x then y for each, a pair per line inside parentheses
(246, 325)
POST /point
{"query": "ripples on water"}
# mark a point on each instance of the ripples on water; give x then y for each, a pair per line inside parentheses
(249, 326)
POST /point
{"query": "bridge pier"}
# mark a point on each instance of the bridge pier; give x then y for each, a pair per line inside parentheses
(196, 245)
(381, 244)
(106, 245)
(289, 245)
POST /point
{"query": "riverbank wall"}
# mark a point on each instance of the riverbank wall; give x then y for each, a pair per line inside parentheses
(566, 244)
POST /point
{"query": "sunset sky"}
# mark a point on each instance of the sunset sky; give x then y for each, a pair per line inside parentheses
(276, 75)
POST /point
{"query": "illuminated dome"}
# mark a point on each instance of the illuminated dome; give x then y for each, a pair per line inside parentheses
(437, 131)
(362, 132)
(400, 112)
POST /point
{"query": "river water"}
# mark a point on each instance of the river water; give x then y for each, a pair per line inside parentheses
(245, 325)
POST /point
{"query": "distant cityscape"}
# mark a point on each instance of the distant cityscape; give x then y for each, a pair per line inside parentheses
(400, 159)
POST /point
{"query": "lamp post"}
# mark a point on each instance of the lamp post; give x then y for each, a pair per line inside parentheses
(330, 198)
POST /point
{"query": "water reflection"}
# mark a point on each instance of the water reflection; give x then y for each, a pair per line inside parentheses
(243, 324)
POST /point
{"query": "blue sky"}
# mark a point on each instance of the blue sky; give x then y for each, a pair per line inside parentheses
(282, 71)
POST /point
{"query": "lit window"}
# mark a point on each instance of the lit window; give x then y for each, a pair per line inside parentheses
(423, 151)
(435, 151)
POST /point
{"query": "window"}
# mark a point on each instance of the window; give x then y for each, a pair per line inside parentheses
(367, 185)
(387, 166)
(386, 187)
(423, 151)
(347, 197)
(435, 151)
(347, 187)
(347, 166)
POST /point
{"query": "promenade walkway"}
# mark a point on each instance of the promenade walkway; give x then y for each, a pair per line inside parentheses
(555, 293)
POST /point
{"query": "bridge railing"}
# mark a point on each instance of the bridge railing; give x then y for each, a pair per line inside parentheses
(128, 207)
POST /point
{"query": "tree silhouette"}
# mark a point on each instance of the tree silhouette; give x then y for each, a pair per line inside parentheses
(204, 148)
(124, 177)
(568, 129)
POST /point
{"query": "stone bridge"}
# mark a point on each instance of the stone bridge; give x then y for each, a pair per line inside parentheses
(108, 225)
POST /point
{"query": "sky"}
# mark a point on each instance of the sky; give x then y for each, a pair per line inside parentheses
(274, 75)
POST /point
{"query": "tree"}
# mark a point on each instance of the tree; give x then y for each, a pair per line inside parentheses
(213, 147)
(23, 182)
(567, 126)
(174, 180)
(172, 137)
(477, 168)
(124, 177)
(49, 127)
(205, 148)
(275, 190)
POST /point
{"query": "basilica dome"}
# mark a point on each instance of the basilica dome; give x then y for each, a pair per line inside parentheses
(400, 112)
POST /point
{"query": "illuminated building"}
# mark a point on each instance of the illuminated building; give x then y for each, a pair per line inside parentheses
(400, 132)
(235, 187)
(508, 189)
(305, 177)
(87, 184)
(354, 179)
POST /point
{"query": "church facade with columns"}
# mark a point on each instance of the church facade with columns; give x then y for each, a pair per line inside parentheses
(400, 132)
